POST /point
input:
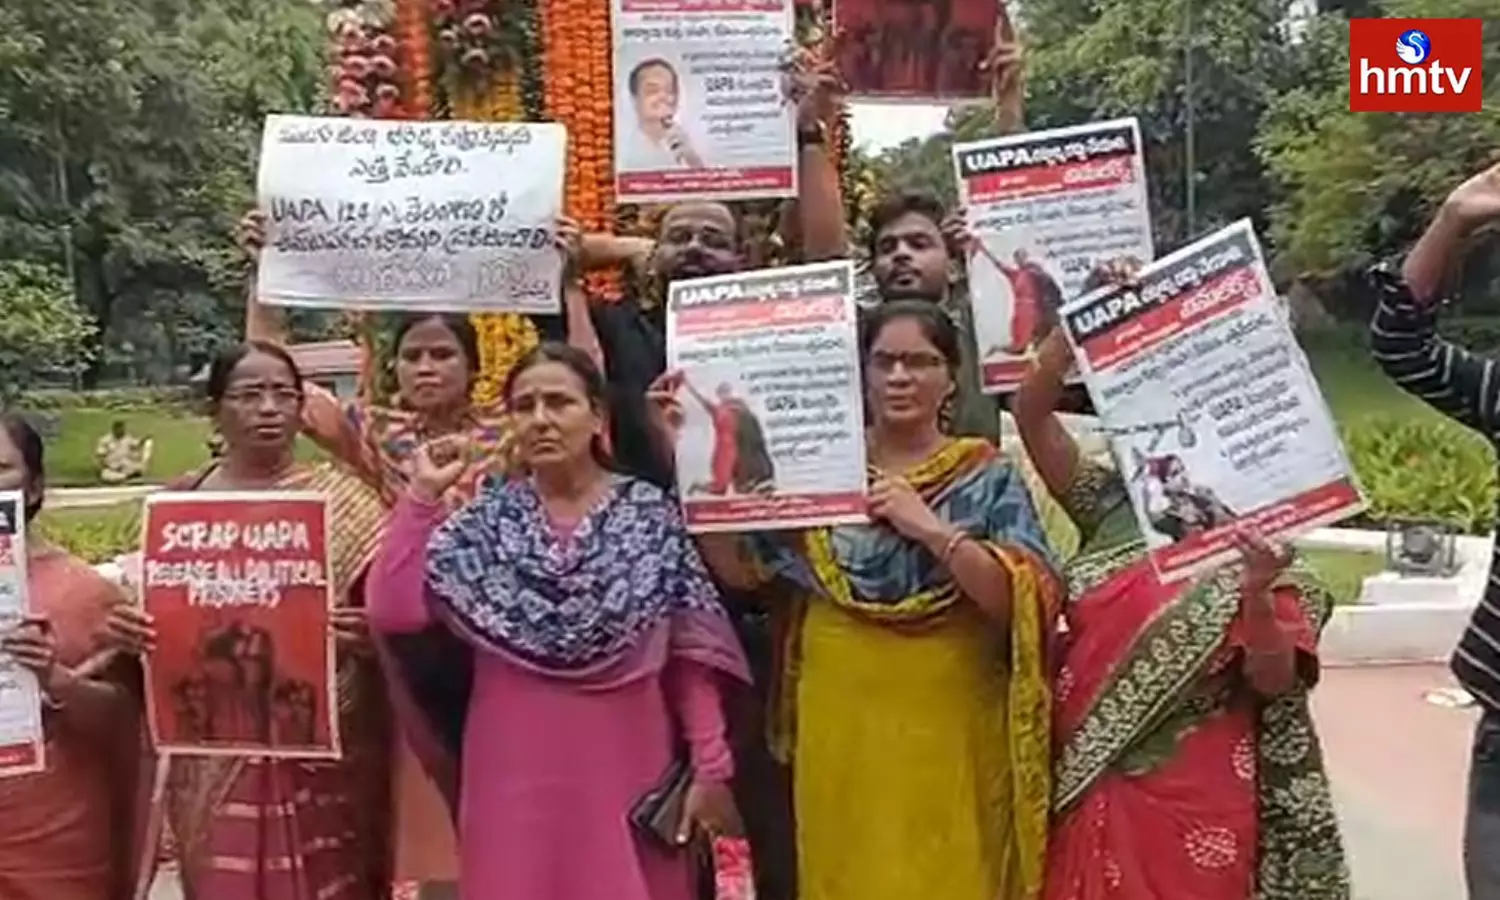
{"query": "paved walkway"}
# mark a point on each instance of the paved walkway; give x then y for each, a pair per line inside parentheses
(1398, 765)
(72, 498)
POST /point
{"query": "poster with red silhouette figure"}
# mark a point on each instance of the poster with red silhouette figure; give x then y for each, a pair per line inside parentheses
(240, 587)
(1045, 208)
(1214, 417)
(922, 51)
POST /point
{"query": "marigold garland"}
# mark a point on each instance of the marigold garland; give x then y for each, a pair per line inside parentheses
(521, 60)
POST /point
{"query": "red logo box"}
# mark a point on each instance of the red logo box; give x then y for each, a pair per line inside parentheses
(1416, 65)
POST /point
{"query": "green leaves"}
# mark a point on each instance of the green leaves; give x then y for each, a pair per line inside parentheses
(1421, 468)
(42, 331)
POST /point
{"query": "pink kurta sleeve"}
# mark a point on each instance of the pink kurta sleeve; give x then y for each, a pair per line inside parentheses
(396, 589)
(694, 691)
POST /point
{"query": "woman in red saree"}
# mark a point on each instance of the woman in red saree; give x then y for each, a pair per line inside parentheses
(1187, 767)
(258, 829)
(65, 830)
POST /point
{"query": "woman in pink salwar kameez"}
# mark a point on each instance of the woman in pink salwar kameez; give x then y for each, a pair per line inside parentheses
(597, 653)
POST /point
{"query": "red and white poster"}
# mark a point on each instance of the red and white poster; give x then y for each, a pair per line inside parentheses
(1045, 208)
(240, 586)
(699, 108)
(923, 51)
(1211, 409)
(773, 433)
(23, 744)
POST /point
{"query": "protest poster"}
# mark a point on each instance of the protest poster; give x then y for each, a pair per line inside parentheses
(240, 587)
(441, 216)
(1044, 208)
(699, 108)
(923, 51)
(1212, 412)
(23, 744)
(773, 432)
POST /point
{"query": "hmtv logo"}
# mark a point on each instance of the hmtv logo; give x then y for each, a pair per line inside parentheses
(1416, 65)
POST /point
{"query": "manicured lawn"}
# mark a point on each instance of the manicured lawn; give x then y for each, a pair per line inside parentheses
(94, 533)
(1345, 571)
(180, 443)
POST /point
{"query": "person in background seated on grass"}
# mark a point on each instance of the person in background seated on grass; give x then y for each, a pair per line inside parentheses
(1186, 765)
(66, 830)
(122, 457)
(250, 828)
(1466, 387)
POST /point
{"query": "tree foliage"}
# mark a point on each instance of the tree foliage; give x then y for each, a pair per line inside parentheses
(43, 333)
(128, 130)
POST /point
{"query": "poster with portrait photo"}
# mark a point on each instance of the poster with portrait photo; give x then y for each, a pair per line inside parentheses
(698, 100)
(241, 589)
(1015, 294)
(916, 51)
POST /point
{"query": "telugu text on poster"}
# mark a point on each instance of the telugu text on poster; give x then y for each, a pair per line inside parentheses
(373, 214)
(700, 112)
(773, 431)
(1214, 416)
(240, 588)
(23, 744)
(1044, 208)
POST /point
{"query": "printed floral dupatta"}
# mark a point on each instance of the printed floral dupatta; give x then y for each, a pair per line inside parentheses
(1126, 710)
(867, 572)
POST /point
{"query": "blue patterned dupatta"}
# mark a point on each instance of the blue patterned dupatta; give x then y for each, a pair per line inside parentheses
(876, 574)
(575, 605)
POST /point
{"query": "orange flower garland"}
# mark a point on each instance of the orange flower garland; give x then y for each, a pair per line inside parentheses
(414, 42)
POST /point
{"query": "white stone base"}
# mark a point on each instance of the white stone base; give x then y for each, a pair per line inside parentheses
(1393, 589)
(1393, 633)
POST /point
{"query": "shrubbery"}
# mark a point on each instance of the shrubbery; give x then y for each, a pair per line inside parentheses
(109, 398)
(1424, 469)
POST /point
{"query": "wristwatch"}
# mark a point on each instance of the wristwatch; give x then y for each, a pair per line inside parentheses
(814, 135)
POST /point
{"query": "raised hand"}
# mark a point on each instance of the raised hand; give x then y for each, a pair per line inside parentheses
(437, 466)
(810, 80)
(664, 407)
(1476, 202)
(1264, 562)
(956, 234)
(251, 234)
(569, 243)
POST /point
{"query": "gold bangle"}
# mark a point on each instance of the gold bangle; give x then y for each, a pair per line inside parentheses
(957, 537)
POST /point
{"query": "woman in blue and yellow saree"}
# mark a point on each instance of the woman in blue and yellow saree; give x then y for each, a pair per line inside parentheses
(913, 698)
(1187, 766)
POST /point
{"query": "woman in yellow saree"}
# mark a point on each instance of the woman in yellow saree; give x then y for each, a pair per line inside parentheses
(914, 699)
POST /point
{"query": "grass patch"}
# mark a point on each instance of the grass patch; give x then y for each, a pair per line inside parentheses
(1344, 571)
(179, 438)
(95, 534)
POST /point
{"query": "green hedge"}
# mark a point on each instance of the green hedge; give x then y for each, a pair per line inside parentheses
(125, 398)
(1424, 469)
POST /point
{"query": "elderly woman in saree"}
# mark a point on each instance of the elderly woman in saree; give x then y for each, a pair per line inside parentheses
(585, 612)
(1187, 767)
(914, 700)
(65, 829)
(250, 828)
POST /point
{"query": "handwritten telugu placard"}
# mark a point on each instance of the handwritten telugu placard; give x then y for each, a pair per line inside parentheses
(435, 216)
(240, 586)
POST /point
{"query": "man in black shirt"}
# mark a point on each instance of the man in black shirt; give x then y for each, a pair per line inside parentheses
(1466, 387)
